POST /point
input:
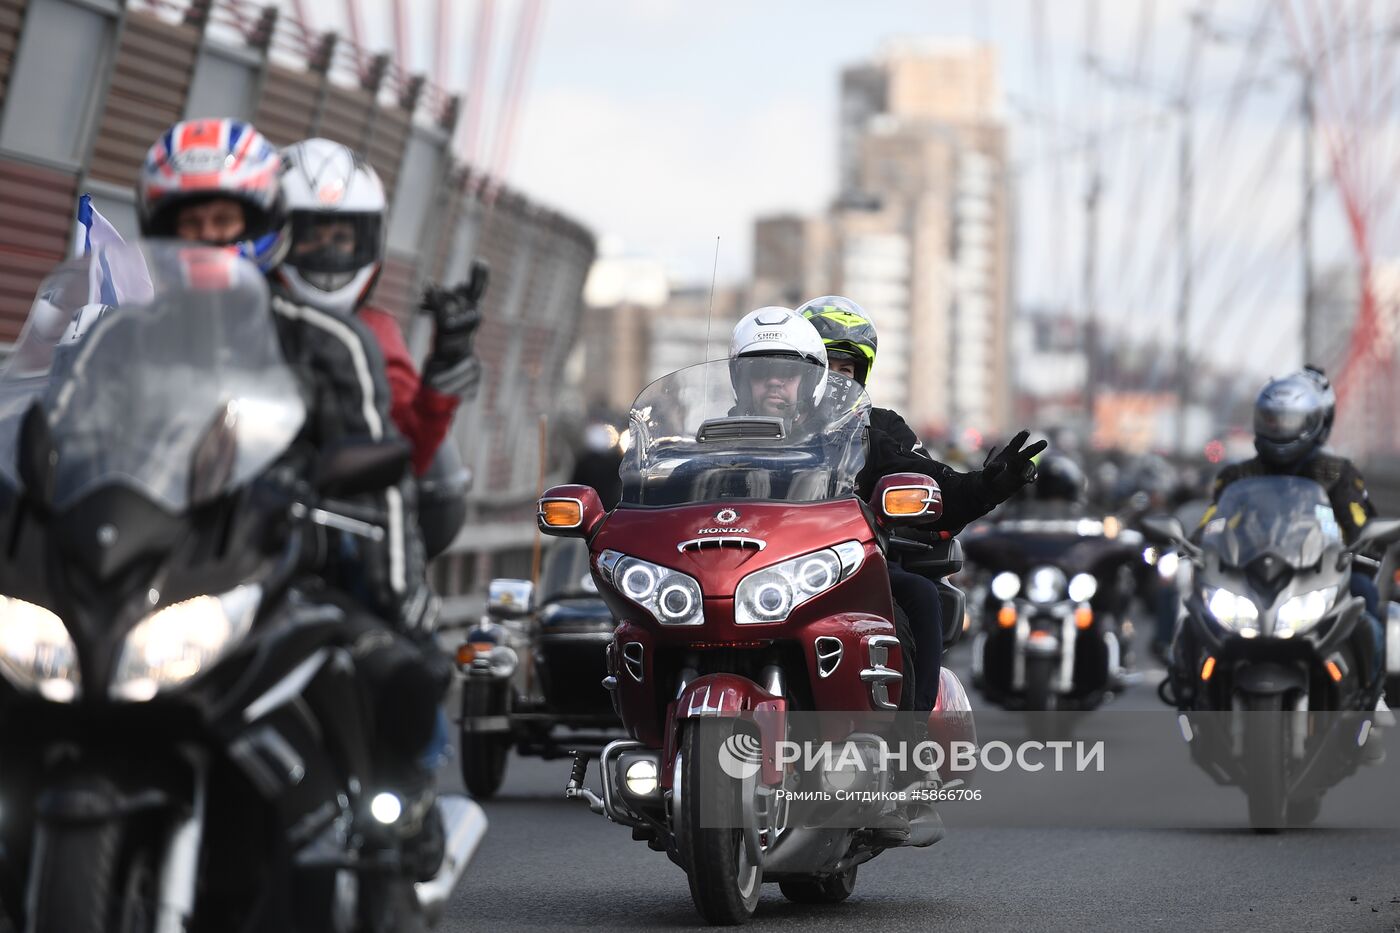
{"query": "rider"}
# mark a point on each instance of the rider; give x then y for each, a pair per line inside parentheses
(216, 182)
(1292, 419)
(337, 208)
(849, 336)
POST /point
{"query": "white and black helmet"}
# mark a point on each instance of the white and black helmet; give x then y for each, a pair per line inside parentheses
(336, 204)
(777, 333)
(1292, 417)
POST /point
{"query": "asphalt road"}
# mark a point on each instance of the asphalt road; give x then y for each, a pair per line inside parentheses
(551, 864)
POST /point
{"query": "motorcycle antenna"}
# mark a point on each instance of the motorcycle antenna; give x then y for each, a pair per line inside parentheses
(710, 314)
(709, 317)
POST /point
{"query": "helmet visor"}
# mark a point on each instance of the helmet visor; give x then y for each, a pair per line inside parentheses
(334, 243)
(1284, 423)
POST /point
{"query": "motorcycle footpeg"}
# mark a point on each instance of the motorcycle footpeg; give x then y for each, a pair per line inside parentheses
(575, 790)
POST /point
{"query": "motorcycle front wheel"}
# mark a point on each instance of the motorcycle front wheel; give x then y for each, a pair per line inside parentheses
(724, 883)
(1264, 762)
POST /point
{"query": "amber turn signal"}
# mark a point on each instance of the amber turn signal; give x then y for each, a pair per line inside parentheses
(1006, 616)
(561, 513)
(1083, 617)
(1208, 668)
(906, 501)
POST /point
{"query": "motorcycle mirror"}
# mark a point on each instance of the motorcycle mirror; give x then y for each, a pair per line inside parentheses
(570, 511)
(510, 599)
(901, 498)
(354, 468)
(37, 459)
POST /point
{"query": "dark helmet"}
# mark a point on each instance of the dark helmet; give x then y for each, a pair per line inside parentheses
(1060, 479)
(1292, 417)
(846, 330)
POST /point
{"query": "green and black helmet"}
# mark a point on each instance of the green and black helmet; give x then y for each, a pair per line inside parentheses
(846, 330)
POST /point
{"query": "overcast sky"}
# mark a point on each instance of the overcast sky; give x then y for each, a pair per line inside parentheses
(667, 123)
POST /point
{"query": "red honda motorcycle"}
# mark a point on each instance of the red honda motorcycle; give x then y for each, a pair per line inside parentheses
(751, 590)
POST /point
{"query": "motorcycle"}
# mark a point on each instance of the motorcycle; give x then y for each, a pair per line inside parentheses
(1269, 698)
(750, 584)
(532, 675)
(185, 738)
(1049, 637)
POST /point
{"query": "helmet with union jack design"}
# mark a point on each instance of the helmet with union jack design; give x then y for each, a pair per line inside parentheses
(201, 162)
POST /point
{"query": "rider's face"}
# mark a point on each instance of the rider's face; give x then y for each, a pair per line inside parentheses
(775, 394)
(335, 238)
(845, 368)
(217, 222)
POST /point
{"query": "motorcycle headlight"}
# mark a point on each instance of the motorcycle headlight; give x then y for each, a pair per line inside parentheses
(770, 594)
(36, 652)
(1304, 611)
(1006, 585)
(1168, 564)
(1233, 610)
(169, 647)
(672, 597)
(1047, 585)
(1082, 587)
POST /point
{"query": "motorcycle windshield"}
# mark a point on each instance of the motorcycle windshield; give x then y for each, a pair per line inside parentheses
(173, 384)
(757, 428)
(1286, 516)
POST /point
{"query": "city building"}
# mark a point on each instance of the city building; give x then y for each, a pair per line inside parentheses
(918, 233)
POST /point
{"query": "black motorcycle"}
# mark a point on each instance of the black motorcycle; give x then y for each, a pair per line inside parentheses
(1049, 634)
(185, 738)
(534, 671)
(1270, 685)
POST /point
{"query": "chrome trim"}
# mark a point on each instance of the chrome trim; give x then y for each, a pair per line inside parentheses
(700, 705)
(877, 675)
(700, 544)
(607, 562)
(610, 682)
(773, 681)
(830, 655)
(879, 679)
(539, 513)
(929, 493)
(613, 811)
(635, 665)
(291, 686)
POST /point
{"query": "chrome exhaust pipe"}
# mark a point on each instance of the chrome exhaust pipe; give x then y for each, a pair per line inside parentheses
(465, 825)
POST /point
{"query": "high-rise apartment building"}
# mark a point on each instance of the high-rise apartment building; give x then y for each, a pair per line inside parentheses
(920, 231)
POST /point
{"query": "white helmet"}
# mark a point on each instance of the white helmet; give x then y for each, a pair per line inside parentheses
(782, 333)
(336, 204)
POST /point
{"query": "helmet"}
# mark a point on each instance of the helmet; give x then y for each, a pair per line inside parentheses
(846, 330)
(776, 333)
(1291, 418)
(204, 160)
(336, 203)
(1060, 479)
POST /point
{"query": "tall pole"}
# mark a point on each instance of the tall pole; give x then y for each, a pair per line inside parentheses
(1091, 217)
(1307, 113)
(1183, 248)
(1091, 304)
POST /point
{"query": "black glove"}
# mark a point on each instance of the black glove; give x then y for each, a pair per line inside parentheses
(452, 367)
(1005, 471)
